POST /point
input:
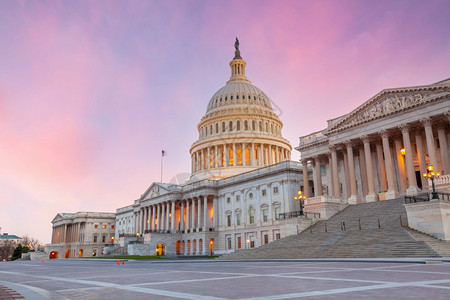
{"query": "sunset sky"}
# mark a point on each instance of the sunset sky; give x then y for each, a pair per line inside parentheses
(91, 91)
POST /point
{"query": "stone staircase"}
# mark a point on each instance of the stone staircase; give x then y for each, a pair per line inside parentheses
(376, 229)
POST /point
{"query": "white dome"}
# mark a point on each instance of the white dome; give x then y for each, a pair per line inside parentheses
(238, 93)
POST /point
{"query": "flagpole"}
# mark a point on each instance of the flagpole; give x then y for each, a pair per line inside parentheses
(161, 166)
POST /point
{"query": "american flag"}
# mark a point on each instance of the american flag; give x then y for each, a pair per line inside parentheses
(163, 153)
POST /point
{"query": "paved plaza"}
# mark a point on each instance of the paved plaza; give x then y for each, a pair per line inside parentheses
(205, 279)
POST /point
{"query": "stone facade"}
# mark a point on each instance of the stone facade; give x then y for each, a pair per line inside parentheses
(81, 234)
(359, 157)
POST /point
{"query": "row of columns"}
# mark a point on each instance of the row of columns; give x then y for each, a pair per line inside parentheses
(163, 217)
(226, 155)
(66, 233)
(385, 164)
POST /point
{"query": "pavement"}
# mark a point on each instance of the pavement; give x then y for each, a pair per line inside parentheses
(212, 279)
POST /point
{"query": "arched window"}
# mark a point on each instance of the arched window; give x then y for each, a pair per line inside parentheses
(271, 128)
(223, 126)
(231, 98)
(237, 97)
(211, 129)
(230, 126)
(248, 97)
(267, 127)
(251, 215)
(253, 125)
(217, 127)
(260, 126)
(245, 125)
(238, 125)
(205, 129)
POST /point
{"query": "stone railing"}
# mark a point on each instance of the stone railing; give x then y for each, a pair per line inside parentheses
(323, 199)
(441, 181)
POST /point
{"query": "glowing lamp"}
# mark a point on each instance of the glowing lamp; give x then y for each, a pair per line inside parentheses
(402, 151)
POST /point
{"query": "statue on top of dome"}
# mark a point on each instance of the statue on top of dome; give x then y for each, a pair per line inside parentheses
(236, 44)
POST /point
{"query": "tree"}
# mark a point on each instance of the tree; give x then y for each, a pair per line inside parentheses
(29, 242)
(18, 251)
(6, 249)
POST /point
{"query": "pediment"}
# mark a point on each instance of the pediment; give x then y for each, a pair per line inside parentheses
(59, 217)
(389, 102)
(157, 189)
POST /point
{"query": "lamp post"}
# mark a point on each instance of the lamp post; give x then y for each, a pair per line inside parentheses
(210, 248)
(300, 197)
(430, 174)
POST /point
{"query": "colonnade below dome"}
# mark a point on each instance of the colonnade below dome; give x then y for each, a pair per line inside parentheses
(238, 154)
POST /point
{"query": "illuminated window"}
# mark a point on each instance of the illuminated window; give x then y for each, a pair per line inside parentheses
(223, 157)
(256, 154)
(96, 226)
(247, 156)
(239, 156)
(230, 156)
(104, 226)
(112, 226)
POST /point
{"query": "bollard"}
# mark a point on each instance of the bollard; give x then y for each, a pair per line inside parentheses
(379, 226)
(401, 224)
(359, 223)
(326, 227)
(123, 262)
(42, 260)
(118, 262)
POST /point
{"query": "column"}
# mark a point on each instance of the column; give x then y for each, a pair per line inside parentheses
(277, 154)
(205, 213)
(371, 196)
(317, 177)
(421, 158)
(234, 155)
(214, 218)
(335, 174)
(167, 216)
(145, 219)
(346, 173)
(252, 155)
(243, 157)
(182, 215)
(172, 211)
(381, 170)
(193, 215)
(353, 199)
(152, 226)
(400, 165)
(188, 225)
(270, 155)
(392, 192)
(305, 178)
(430, 142)
(199, 214)
(363, 171)
(158, 216)
(444, 148)
(216, 158)
(412, 189)
(261, 155)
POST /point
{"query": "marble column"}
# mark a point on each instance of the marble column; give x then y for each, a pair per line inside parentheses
(335, 174)
(226, 156)
(252, 155)
(159, 217)
(216, 157)
(193, 215)
(430, 142)
(392, 191)
(172, 225)
(167, 216)
(317, 177)
(182, 215)
(371, 196)
(346, 173)
(353, 199)
(305, 178)
(205, 213)
(412, 189)
(188, 225)
(270, 155)
(363, 170)
(199, 214)
(243, 157)
(152, 223)
(261, 155)
(421, 157)
(381, 169)
(444, 148)
(400, 165)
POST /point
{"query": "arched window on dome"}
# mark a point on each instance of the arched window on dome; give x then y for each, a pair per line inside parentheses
(217, 127)
(223, 126)
(230, 126)
(231, 97)
(254, 97)
(267, 127)
(205, 129)
(238, 125)
(220, 99)
(237, 97)
(253, 125)
(226, 98)
(271, 128)
(249, 97)
(211, 129)
(260, 126)
(245, 125)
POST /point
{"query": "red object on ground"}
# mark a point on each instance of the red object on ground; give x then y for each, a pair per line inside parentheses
(118, 262)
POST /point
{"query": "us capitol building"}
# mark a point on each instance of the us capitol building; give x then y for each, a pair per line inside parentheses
(243, 190)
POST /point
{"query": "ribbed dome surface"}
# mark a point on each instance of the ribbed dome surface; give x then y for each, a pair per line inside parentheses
(238, 93)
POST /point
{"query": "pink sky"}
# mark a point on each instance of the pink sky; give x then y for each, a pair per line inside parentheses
(91, 91)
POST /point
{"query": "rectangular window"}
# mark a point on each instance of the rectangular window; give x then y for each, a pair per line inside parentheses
(277, 236)
(103, 239)
(228, 220)
(237, 198)
(266, 239)
(104, 226)
(265, 215)
(252, 244)
(252, 216)
(238, 218)
(229, 243)
(228, 200)
(277, 213)
(95, 239)
(96, 226)
(263, 193)
(275, 190)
